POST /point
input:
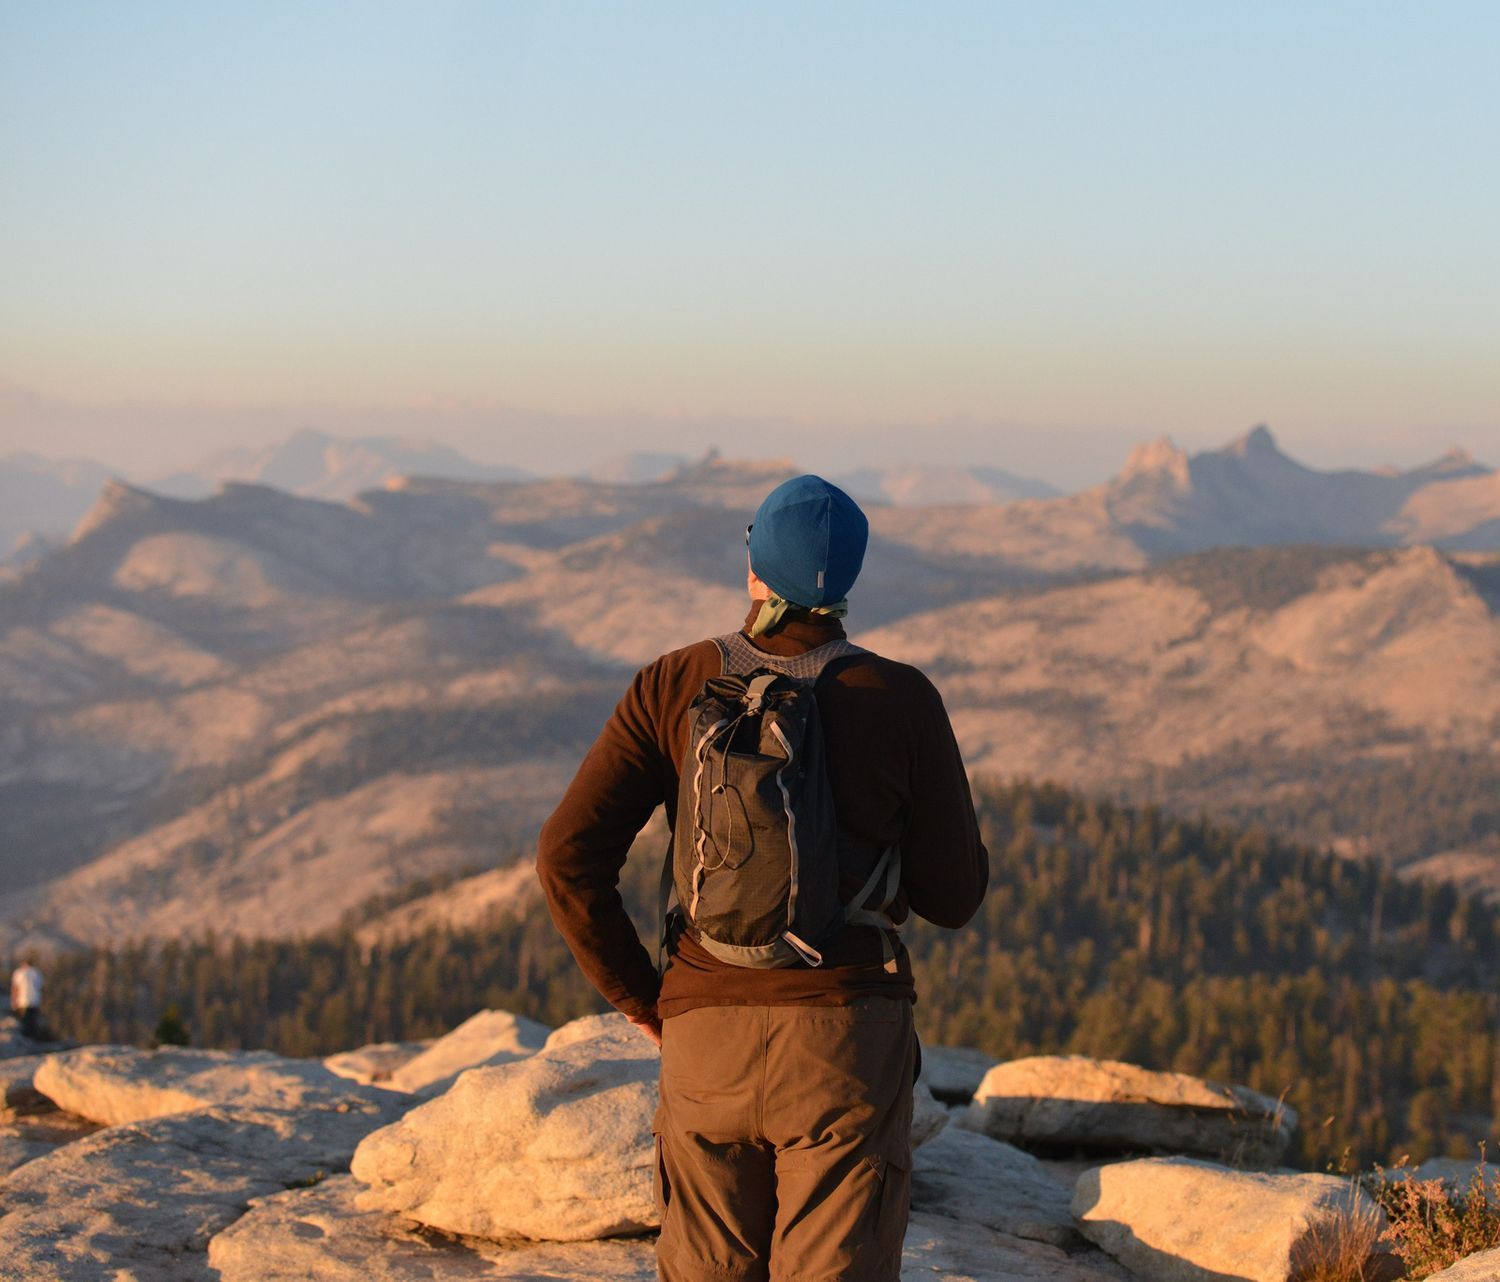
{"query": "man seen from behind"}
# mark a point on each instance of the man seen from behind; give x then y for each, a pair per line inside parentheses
(788, 1059)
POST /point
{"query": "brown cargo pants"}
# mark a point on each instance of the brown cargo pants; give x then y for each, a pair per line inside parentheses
(783, 1142)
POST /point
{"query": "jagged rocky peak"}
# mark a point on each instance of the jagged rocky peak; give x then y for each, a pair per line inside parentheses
(1453, 465)
(1160, 457)
(1258, 442)
(117, 500)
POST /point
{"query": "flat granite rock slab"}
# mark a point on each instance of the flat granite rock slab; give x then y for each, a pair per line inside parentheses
(553, 1146)
(117, 1084)
(1484, 1267)
(1175, 1219)
(1107, 1106)
(937, 1247)
(141, 1201)
(373, 1065)
(319, 1233)
(18, 1146)
(965, 1176)
(30, 1123)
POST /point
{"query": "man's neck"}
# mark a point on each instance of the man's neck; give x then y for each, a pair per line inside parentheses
(795, 633)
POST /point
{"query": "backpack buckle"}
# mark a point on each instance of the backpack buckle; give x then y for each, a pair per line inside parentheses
(755, 692)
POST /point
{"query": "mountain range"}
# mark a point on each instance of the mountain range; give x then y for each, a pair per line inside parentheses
(319, 466)
(1250, 493)
(256, 710)
(43, 499)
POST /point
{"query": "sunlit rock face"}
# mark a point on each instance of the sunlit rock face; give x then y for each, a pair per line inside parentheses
(321, 1233)
(939, 1247)
(373, 1065)
(540, 1168)
(490, 1038)
(115, 1084)
(1484, 1267)
(1185, 1220)
(142, 1200)
(556, 1146)
(968, 1177)
(1104, 1106)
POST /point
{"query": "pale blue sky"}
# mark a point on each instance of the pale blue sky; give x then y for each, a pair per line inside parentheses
(1104, 220)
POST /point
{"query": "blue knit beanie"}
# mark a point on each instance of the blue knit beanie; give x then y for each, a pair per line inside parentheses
(808, 541)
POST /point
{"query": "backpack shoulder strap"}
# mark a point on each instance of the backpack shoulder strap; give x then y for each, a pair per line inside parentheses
(663, 904)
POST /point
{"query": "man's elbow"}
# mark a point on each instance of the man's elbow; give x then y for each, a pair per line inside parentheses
(551, 860)
(950, 912)
(950, 916)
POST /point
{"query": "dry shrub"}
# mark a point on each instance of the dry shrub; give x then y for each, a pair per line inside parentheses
(1345, 1251)
(1255, 1147)
(1431, 1226)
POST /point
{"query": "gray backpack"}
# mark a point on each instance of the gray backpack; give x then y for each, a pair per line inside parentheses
(754, 857)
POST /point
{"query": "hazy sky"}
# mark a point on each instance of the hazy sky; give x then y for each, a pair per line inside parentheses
(1027, 227)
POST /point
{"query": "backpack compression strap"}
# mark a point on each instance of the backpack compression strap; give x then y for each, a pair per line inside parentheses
(665, 892)
(887, 875)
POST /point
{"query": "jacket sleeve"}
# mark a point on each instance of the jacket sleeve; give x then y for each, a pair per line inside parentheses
(945, 868)
(584, 844)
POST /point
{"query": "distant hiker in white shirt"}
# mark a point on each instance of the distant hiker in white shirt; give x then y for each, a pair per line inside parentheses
(26, 997)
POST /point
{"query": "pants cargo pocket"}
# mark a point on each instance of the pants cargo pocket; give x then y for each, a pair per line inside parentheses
(859, 1228)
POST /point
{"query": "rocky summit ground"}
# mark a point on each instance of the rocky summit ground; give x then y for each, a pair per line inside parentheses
(519, 1154)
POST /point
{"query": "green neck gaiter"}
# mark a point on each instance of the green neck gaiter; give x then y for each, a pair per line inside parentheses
(774, 607)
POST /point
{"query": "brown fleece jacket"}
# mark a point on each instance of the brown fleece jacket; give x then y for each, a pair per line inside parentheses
(896, 775)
